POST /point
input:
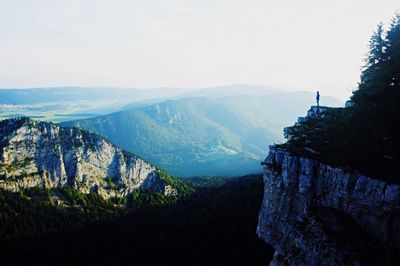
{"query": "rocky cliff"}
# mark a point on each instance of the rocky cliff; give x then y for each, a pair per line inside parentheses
(315, 214)
(43, 154)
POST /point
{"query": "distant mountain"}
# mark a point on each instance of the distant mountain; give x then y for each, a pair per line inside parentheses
(45, 95)
(59, 94)
(234, 90)
(203, 136)
(43, 154)
(67, 94)
(60, 104)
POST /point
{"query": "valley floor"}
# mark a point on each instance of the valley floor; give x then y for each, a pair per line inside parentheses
(215, 226)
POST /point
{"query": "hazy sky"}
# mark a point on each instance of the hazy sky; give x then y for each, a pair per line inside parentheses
(306, 44)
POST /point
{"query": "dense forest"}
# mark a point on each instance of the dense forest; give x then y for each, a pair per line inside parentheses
(214, 226)
(365, 135)
(37, 211)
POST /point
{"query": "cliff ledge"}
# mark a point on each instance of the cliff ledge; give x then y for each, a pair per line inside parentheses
(317, 214)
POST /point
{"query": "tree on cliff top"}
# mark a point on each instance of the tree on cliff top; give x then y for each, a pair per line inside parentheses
(380, 78)
(377, 99)
(365, 137)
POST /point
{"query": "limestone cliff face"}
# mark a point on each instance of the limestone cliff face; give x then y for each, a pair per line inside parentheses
(43, 154)
(316, 214)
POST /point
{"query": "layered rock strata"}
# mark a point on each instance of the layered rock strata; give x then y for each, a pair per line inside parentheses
(316, 214)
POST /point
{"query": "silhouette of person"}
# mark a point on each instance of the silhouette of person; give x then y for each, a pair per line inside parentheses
(317, 98)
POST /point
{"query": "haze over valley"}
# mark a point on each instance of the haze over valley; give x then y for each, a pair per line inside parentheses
(188, 132)
(219, 131)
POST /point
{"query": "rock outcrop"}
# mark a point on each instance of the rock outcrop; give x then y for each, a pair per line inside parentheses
(43, 154)
(315, 214)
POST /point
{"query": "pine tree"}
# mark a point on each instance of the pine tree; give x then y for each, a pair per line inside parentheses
(370, 76)
(377, 112)
(377, 46)
(393, 52)
(381, 74)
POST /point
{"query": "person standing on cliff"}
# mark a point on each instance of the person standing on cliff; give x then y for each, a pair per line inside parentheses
(317, 98)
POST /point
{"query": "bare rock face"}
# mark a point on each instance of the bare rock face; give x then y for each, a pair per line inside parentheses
(43, 154)
(315, 214)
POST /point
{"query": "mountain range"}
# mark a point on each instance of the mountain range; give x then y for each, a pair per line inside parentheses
(200, 136)
(73, 93)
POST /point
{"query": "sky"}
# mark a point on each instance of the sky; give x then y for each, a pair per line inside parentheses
(308, 44)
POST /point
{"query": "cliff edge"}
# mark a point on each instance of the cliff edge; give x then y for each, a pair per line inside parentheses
(316, 214)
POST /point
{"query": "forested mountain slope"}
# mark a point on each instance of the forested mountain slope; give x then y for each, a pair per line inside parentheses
(203, 136)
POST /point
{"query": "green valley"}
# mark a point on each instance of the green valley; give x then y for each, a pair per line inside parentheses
(203, 136)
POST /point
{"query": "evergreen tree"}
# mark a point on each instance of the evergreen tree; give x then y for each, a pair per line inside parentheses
(365, 137)
(376, 117)
(370, 76)
(377, 46)
(381, 72)
(393, 59)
